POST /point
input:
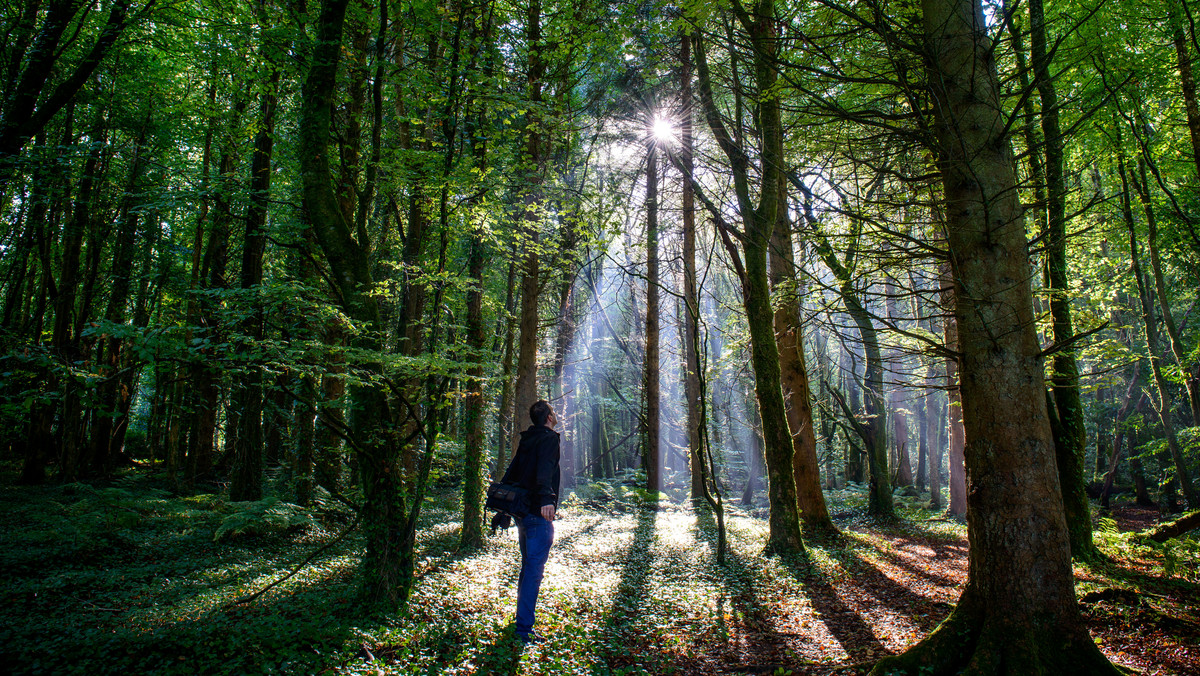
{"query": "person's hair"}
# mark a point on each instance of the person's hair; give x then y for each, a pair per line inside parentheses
(539, 412)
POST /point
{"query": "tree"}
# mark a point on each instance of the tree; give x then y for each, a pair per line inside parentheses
(1070, 437)
(759, 220)
(1017, 614)
(652, 458)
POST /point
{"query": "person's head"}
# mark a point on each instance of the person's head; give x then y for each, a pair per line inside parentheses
(540, 413)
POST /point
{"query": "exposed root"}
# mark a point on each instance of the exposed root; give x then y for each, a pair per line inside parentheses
(972, 643)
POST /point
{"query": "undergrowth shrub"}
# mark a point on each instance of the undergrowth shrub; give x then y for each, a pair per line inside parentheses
(263, 517)
(1179, 557)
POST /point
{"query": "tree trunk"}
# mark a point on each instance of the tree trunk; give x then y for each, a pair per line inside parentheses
(1173, 529)
(475, 406)
(1018, 613)
(64, 342)
(1187, 79)
(789, 338)
(387, 567)
(114, 395)
(652, 459)
(1070, 438)
(1164, 404)
(525, 391)
(759, 221)
(506, 416)
(903, 472)
(691, 298)
(954, 419)
(246, 477)
(1131, 394)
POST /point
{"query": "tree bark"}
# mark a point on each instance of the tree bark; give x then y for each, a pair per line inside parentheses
(1018, 613)
(1070, 440)
(759, 221)
(789, 338)
(652, 460)
(691, 298)
(525, 391)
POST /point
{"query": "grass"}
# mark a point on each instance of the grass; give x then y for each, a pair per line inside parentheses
(132, 578)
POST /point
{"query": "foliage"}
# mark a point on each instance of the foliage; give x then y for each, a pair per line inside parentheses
(262, 517)
(629, 591)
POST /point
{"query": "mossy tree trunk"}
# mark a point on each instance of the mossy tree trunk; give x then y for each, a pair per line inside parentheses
(475, 406)
(789, 338)
(873, 431)
(387, 567)
(1070, 436)
(759, 220)
(1018, 613)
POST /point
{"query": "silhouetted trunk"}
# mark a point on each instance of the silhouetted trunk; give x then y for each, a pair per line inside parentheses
(246, 477)
(1131, 395)
(67, 304)
(954, 420)
(1150, 326)
(896, 404)
(652, 459)
(691, 298)
(114, 393)
(506, 415)
(28, 108)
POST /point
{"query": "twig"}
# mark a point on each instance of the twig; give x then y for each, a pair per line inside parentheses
(250, 597)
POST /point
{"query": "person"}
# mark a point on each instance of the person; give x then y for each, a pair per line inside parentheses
(535, 466)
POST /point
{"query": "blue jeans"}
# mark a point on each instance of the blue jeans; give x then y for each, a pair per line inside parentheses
(534, 535)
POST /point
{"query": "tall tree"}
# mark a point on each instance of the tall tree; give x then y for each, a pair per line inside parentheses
(652, 458)
(789, 338)
(1070, 436)
(1018, 613)
(759, 220)
(533, 159)
(691, 298)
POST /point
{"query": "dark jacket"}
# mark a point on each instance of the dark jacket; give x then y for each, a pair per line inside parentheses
(535, 466)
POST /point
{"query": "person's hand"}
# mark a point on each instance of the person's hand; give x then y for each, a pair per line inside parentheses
(548, 512)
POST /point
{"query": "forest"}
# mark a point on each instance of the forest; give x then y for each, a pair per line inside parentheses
(869, 325)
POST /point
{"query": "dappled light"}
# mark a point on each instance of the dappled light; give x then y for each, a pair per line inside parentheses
(634, 589)
(372, 337)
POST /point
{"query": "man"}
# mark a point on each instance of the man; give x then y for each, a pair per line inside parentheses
(535, 466)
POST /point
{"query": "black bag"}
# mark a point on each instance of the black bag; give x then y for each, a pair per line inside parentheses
(508, 499)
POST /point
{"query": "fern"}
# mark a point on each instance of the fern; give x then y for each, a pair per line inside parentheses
(263, 517)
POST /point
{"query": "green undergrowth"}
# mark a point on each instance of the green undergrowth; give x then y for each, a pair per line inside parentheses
(133, 577)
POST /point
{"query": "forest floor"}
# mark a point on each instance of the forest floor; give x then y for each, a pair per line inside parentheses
(132, 578)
